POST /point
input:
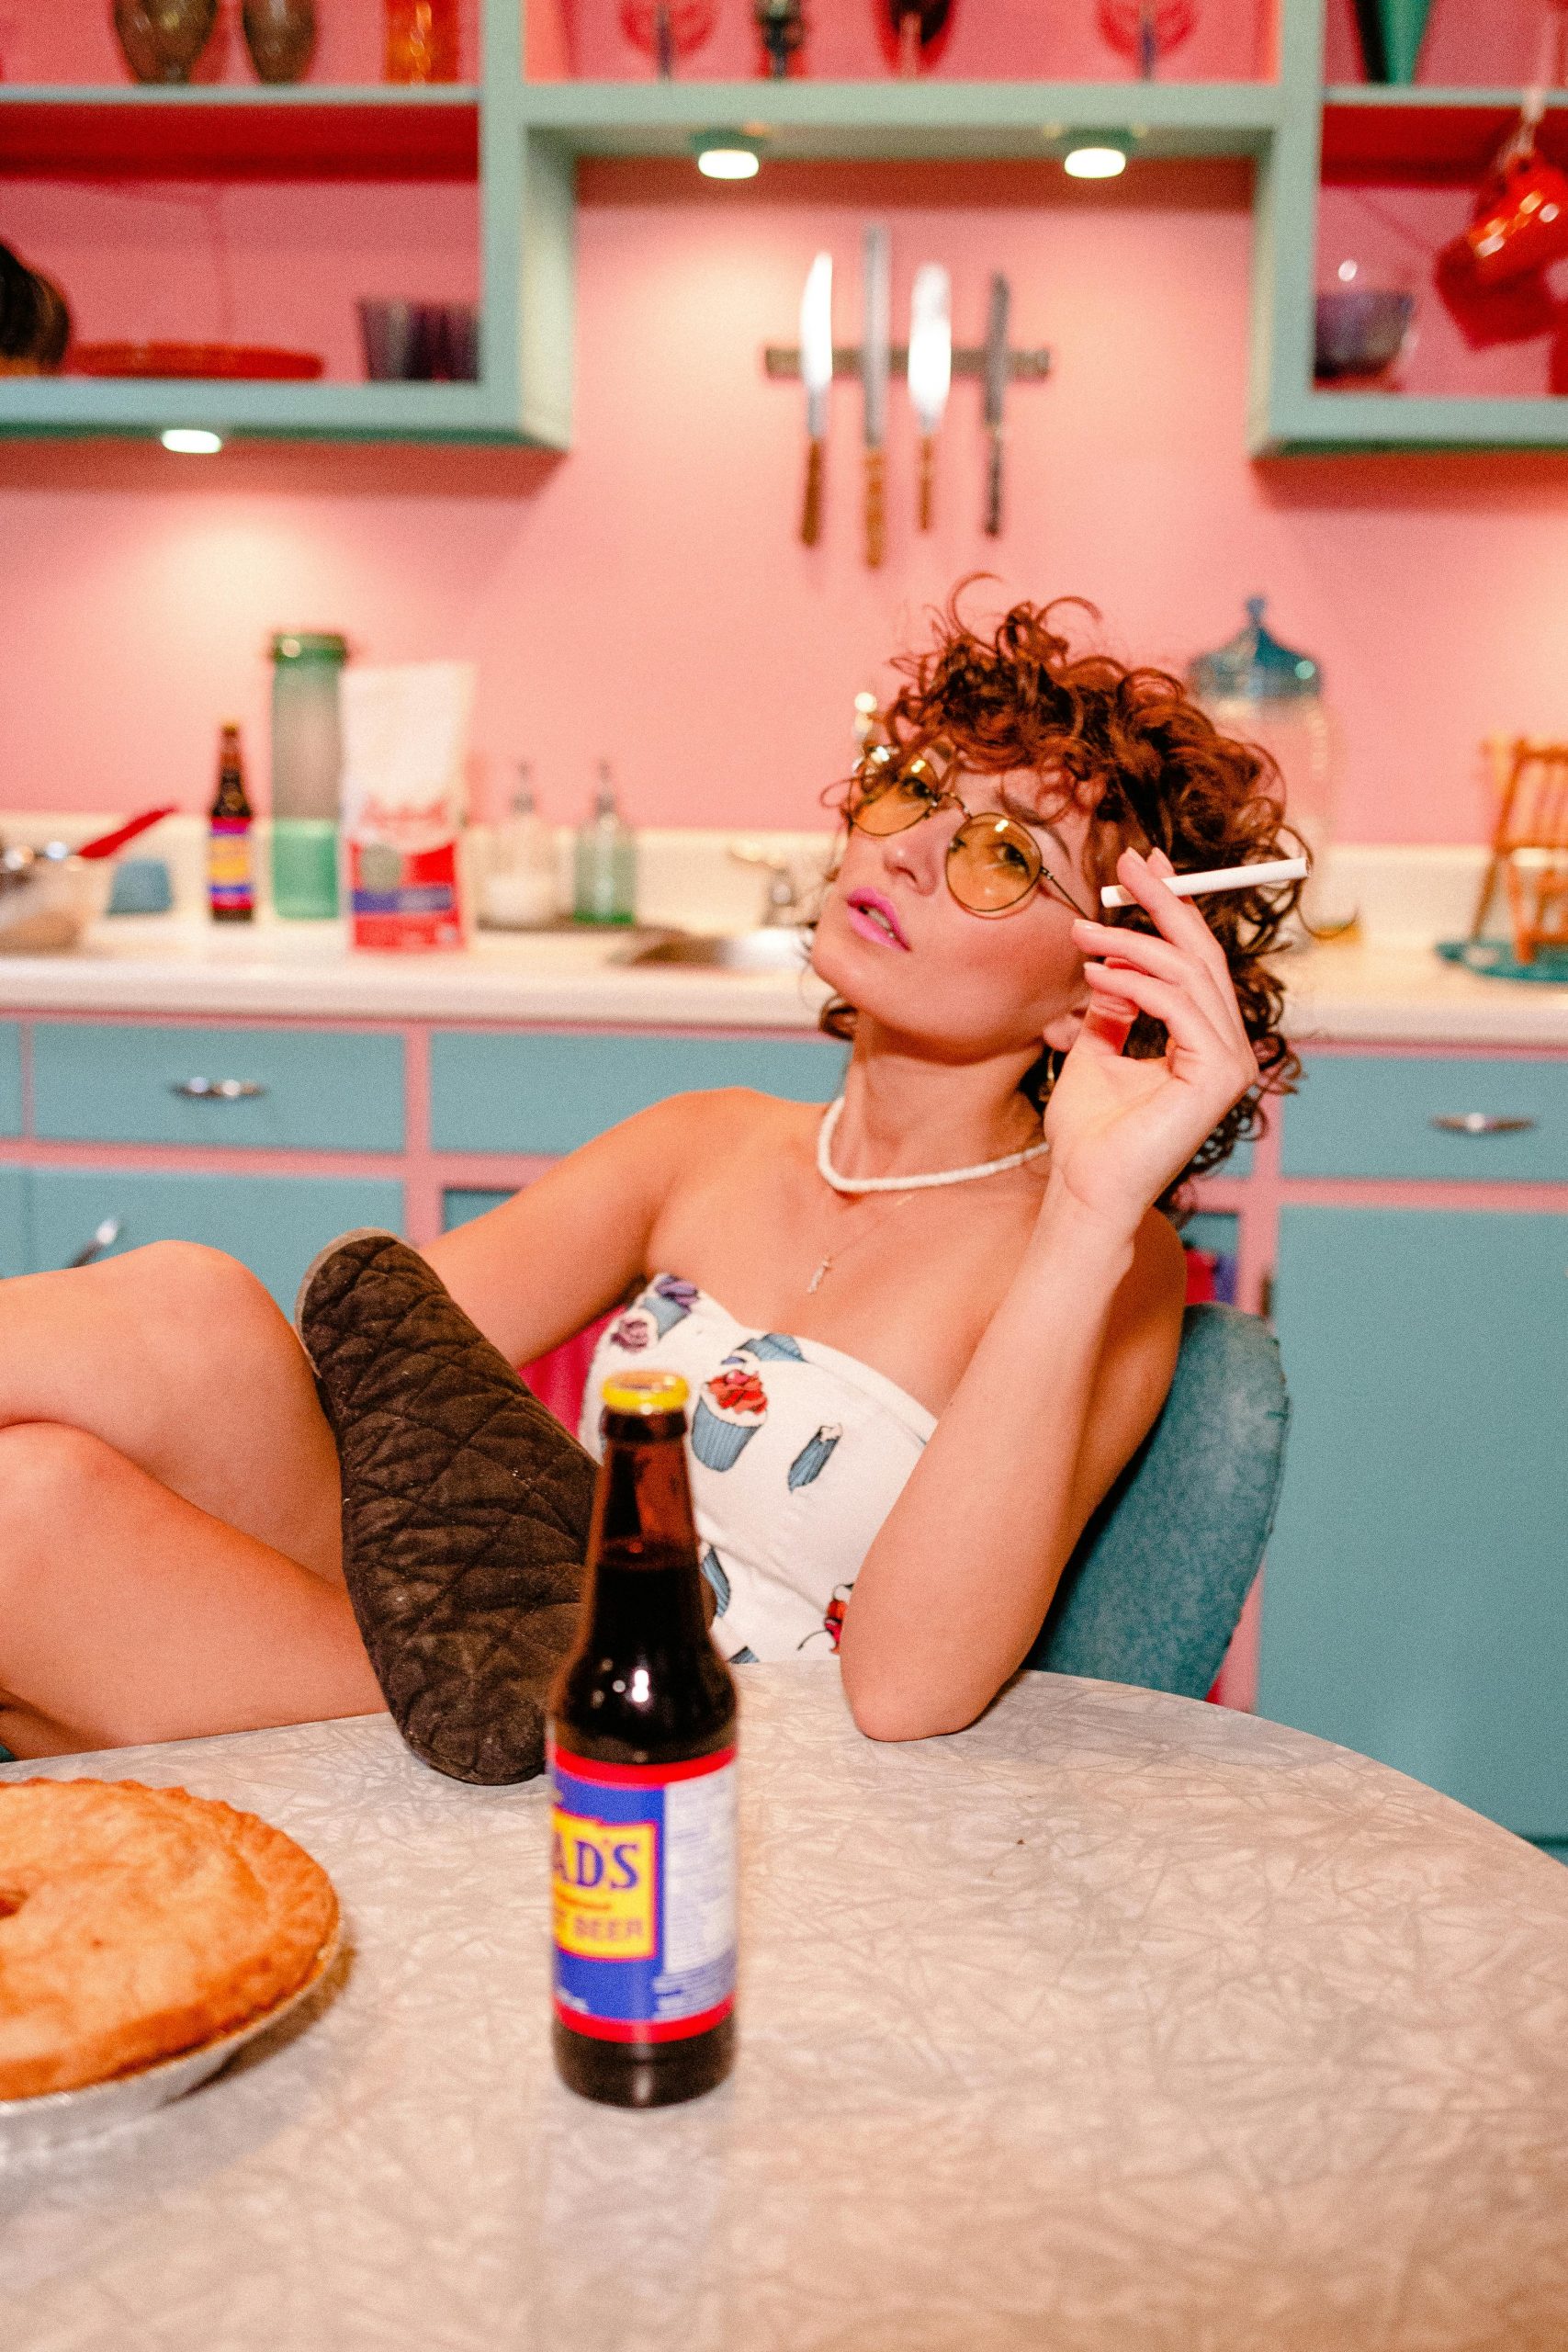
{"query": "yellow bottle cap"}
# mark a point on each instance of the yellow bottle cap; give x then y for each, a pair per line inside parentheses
(646, 1392)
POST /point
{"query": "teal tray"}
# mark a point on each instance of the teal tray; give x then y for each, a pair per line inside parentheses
(1496, 960)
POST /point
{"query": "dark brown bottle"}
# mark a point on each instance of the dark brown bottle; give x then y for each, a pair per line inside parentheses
(642, 1764)
(230, 886)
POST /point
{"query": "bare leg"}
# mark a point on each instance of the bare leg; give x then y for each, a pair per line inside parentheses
(169, 1511)
(178, 1358)
(128, 1614)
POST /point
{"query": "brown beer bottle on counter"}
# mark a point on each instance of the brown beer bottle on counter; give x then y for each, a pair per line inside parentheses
(642, 1767)
(231, 888)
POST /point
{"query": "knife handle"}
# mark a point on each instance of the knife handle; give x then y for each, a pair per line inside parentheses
(876, 510)
(927, 476)
(994, 486)
(811, 513)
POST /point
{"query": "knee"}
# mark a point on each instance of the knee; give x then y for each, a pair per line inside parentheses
(192, 1291)
(51, 1477)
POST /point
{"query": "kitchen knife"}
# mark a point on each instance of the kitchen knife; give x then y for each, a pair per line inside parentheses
(817, 375)
(876, 358)
(931, 366)
(996, 396)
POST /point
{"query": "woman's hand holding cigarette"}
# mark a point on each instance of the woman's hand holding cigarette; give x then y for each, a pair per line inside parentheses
(1120, 1129)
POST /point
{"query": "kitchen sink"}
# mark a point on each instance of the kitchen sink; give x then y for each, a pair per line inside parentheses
(780, 948)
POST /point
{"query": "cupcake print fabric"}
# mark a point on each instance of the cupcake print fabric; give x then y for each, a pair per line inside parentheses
(797, 1452)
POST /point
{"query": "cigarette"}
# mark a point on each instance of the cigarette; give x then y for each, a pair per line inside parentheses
(1223, 878)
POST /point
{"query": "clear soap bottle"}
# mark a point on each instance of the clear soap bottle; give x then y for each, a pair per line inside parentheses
(520, 887)
(604, 863)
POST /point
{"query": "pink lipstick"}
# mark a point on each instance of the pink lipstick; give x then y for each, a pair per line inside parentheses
(872, 916)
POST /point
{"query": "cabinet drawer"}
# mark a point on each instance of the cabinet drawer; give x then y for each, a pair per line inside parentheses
(331, 1089)
(547, 1092)
(274, 1224)
(1392, 1115)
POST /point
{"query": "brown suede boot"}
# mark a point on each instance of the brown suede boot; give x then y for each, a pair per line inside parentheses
(465, 1509)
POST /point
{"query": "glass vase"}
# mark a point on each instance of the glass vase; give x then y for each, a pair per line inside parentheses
(163, 38)
(422, 40)
(281, 37)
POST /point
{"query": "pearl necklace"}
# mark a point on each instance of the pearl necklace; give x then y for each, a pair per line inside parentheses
(829, 1175)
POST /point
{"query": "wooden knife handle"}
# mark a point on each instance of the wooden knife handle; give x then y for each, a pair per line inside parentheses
(811, 514)
(876, 510)
(927, 476)
(994, 487)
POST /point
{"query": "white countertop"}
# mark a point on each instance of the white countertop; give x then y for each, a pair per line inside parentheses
(1392, 994)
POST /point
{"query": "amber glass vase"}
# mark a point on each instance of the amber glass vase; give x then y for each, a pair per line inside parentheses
(422, 40)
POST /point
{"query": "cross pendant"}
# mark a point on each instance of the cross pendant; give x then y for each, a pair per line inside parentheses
(821, 1269)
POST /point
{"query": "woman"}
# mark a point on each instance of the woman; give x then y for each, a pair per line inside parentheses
(1000, 1337)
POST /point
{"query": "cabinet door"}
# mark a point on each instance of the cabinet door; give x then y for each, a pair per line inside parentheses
(274, 1224)
(1416, 1603)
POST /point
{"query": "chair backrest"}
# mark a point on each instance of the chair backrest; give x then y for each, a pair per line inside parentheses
(1153, 1592)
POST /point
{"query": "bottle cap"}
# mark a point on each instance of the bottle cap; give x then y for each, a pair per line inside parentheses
(309, 645)
(646, 1393)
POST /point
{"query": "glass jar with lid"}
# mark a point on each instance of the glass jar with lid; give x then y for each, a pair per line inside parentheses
(307, 766)
(1264, 693)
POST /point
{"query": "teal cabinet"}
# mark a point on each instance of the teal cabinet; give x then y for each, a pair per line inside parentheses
(10, 1079)
(14, 1254)
(549, 1091)
(460, 1204)
(274, 1224)
(1465, 1117)
(326, 1090)
(1415, 1598)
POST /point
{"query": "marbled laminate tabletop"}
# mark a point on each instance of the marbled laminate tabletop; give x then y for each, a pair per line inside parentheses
(1117, 2021)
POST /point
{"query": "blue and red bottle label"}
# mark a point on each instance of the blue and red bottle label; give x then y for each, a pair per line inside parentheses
(642, 1870)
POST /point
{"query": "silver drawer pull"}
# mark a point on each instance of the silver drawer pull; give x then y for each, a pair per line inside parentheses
(219, 1090)
(105, 1235)
(1480, 1122)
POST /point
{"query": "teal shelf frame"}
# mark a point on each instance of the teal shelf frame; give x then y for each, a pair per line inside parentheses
(530, 137)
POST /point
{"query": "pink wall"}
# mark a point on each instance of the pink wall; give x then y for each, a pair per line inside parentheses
(647, 597)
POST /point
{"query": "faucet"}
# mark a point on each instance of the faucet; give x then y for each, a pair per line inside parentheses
(783, 908)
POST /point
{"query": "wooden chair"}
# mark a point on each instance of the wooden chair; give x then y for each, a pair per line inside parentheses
(1529, 847)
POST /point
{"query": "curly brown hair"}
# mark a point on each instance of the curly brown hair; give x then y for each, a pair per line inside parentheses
(1132, 748)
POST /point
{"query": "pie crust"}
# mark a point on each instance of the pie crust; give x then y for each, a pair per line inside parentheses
(136, 1923)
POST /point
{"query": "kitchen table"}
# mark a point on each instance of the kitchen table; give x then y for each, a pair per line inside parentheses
(1116, 2021)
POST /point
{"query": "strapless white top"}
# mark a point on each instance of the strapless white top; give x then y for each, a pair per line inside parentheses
(797, 1453)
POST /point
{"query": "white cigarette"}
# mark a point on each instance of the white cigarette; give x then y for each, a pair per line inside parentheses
(1223, 878)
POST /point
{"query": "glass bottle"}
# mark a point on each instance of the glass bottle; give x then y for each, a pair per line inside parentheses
(520, 879)
(604, 862)
(230, 891)
(307, 766)
(642, 1771)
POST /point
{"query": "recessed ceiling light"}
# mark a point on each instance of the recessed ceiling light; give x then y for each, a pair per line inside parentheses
(1096, 157)
(726, 155)
(189, 441)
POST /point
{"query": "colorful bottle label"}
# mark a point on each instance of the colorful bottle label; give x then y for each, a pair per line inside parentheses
(229, 882)
(643, 1876)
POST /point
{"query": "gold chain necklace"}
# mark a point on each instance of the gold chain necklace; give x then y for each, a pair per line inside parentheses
(831, 1256)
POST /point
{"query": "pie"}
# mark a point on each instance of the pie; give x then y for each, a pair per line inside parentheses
(136, 1923)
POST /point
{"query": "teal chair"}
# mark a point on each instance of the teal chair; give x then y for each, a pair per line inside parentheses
(1153, 1592)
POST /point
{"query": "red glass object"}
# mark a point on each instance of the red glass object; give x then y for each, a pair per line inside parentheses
(667, 30)
(1148, 31)
(1521, 219)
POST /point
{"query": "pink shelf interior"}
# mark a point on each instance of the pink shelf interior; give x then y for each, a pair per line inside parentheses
(73, 41)
(245, 261)
(991, 41)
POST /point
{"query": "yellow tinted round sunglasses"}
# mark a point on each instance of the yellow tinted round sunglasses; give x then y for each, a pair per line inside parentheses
(993, 865)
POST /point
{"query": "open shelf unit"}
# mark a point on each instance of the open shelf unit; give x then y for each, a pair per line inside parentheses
(518, 142)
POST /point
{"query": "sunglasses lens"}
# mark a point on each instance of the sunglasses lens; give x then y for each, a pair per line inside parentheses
(991, 865)
(888, 804)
